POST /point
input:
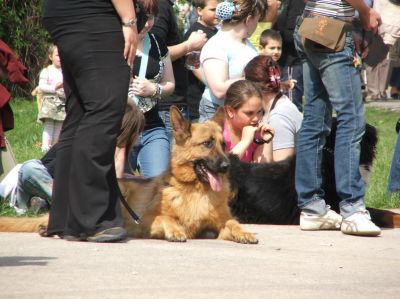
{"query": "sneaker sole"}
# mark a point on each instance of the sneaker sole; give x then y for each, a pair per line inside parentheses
(363, 234)
(104, 237)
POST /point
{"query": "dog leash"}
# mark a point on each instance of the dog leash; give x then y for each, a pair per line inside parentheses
(134, 216)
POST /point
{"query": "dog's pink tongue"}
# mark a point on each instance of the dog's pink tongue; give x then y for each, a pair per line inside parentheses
(215, 181)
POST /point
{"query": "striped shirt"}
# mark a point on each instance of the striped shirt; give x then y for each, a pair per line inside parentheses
(338, 9)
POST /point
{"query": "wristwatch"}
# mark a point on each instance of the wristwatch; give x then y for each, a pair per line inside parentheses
(130, 23)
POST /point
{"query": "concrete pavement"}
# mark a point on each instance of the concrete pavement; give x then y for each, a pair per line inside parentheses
(287, 263)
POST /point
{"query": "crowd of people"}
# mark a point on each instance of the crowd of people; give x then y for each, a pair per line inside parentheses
(278, 96)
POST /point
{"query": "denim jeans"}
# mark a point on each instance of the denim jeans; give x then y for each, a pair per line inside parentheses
(33, 180)
(207, 109)
(164, 115)
(151, 153)
(394, 176)
(331, 81)
(298, 90)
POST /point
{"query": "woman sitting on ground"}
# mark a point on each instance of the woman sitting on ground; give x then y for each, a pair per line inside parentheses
(243, 132)
(279, 110)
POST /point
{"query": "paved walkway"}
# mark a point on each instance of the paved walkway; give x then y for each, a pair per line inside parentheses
(287, 263)
(393, 105)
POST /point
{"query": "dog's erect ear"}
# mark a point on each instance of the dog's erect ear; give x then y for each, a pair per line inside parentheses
(219, 116)
(180, 126)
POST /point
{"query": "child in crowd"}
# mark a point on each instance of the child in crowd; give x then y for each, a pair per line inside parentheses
(207, 23)
(271, 45)
(279, 111)
(243, 131)
(52, 106)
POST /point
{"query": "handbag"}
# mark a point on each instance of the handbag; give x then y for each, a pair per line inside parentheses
(323, 34)
(144, 103)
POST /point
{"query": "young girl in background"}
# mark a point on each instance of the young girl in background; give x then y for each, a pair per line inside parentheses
(52, 106)
(279, 110)
(243, 132)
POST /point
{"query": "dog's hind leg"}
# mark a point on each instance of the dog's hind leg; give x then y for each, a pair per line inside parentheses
(232, 231)
(165, 227)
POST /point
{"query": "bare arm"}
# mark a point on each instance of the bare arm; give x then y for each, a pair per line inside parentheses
(168, 80)
(126, 12)
(195, 41)
(370, 19)
(216, 75)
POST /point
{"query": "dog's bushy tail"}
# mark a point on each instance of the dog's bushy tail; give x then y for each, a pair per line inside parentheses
(385, 218)
(23, 224)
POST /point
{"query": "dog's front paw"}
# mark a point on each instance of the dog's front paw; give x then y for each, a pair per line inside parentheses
(176, 236)
(245, 238)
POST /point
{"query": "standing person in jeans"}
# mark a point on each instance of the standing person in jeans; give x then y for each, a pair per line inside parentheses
(166, 29)
(332, 81)
(97, 42)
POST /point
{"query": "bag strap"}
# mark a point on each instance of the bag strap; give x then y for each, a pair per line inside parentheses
(143, 62)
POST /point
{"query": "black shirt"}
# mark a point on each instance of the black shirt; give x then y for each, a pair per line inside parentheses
(195, 87)
(286, 24)
(166, 28)
(66, 8)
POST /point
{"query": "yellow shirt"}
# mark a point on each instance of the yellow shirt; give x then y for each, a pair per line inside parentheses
(255, 37)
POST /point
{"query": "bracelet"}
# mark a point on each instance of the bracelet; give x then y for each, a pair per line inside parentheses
(130, 23)
(157, 91)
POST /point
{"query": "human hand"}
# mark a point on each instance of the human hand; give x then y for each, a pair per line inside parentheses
(274, 4)
(143, 87)
(248, 133)
(196, 40)
(130, 37)
(59, 85)
(267, 132)
(371, 20)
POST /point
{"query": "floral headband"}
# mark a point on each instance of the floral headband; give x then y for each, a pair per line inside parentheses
(274, 76)
(226, 9)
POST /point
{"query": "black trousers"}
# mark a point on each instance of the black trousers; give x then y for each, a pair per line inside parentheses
(96, 79)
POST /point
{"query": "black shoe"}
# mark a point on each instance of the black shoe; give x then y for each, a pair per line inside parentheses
(39, 205)
(114, 234)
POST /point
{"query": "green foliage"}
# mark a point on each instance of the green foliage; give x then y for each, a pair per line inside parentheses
(26, 136)
(21, 30)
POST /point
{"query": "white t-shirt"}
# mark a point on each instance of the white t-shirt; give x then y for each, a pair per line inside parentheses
(286, 119)
(236, 55)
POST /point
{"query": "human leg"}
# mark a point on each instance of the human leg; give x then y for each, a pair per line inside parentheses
(164, 115)
(97, 77)
(394, 175)
(47, 136)
(207, 110)
(153, 157)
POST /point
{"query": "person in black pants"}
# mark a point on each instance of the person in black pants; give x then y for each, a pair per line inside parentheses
(94, 38)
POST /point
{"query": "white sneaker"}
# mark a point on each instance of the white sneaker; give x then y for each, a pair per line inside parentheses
(360, 224)
(330, 221)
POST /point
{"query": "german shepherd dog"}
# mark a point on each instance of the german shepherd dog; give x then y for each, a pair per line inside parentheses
(265, 193)
(187, 200)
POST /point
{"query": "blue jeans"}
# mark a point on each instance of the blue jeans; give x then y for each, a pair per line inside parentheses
(330, 82)
(151, 153)
(298, 90)
(207, 110)
(33, 180)
(164, 115)
(394, 176)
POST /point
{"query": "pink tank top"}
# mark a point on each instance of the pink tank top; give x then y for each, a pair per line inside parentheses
(248, 154)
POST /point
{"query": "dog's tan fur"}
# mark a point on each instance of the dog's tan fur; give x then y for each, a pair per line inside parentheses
(176, 205)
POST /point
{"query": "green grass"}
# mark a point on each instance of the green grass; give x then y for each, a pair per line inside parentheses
(25, 139)
(376, 193)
